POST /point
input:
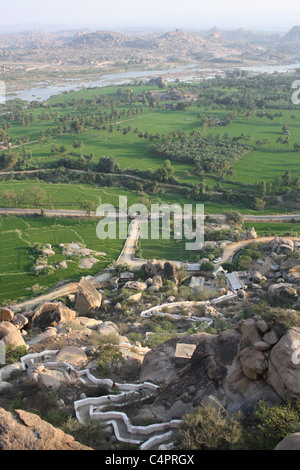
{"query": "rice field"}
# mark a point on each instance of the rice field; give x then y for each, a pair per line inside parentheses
(18, 257)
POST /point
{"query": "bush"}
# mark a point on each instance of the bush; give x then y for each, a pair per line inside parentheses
(207, 266)
(209, 429)
(90, 434)
(280, 316)
(273, 423)
(108, 354)
(13, 354)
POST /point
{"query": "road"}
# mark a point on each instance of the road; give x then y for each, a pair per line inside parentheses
(80, 213)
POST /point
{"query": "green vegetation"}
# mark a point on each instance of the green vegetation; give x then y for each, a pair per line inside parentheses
(108, 354)
(18, 255)
(235, 138)
(209, 428)
(233, 144)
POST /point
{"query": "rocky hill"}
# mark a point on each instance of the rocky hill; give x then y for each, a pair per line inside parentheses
(126, 327)
(68, 47)
(100, 39)
(292, 35)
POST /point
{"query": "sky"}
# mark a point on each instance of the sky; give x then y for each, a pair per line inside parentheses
(156, 14)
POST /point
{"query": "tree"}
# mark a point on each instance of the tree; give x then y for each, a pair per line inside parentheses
(234, 217)
(88, 206)
(165, 171)
(259, 204)
(107, 165)
(38, 194)
(4, 137)
(9, 196)
(8, 160)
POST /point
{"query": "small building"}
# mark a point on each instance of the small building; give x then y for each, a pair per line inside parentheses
(234, 281)
(183, 353)
(193, 267)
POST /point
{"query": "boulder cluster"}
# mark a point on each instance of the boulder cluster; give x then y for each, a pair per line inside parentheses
(238, 367)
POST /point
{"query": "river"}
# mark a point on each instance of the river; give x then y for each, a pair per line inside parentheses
(190, 72)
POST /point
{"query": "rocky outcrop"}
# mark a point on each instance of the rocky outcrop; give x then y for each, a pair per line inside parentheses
(87, 297)
(153, 267)
(282, 290)
(51, 313)
(159, 364)
(6, 314)
(239, 367)
(291, 270)
(283, 373)
(170, 271)
(21, 430)
(280, 246)
(72, 355)
(204, 375)
(10, 334)
(250, 233)
(136, 285)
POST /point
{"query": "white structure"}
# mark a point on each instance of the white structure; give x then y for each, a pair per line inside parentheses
(234, 281)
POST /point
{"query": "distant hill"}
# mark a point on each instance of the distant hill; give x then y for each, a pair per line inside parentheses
(100, 39)
(105, 45)
(292, 35)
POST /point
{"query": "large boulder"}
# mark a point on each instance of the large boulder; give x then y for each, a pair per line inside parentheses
(72, 355)
(291, 270)
(153, 267)
(281, 246)
(136, 285)
(170, 271)
(6, 314)
(253, 362)
(21, 430)
(284, 370)
(159, 363)
(108, 328)
(283, 289)
(250, 233)
(290, 442)
(10, 335)
(6, 328)
(51, 313)
(51, 379)
(87, 297)
(20, 321)
(204, 375)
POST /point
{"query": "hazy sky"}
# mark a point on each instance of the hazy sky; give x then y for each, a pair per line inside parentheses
(160, 14)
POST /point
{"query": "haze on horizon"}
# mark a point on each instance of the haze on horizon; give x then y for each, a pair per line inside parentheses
(264, 15)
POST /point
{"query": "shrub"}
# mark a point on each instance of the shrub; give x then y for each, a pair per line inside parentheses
(209, 429)
(91, 434)
(207, 266)
(280, 316)
(273, 423)
(13, 354)
(108, 354)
